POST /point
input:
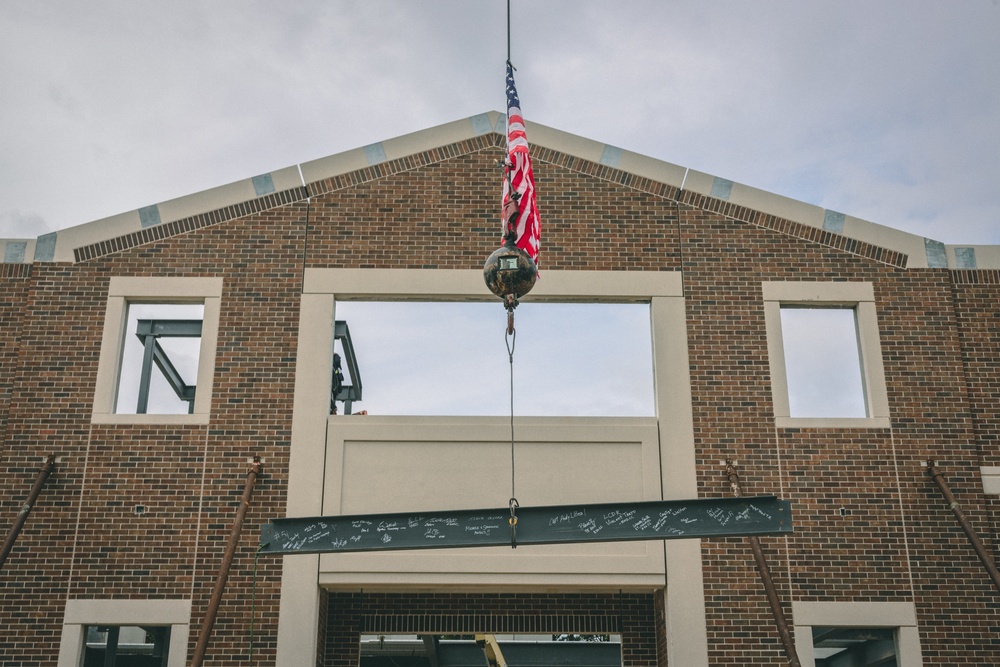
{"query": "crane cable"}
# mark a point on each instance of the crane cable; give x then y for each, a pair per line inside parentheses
(510, 337)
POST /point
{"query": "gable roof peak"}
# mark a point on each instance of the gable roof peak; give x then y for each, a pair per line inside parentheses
(296, 182)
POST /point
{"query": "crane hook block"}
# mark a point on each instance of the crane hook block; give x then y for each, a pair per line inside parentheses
(510, 271)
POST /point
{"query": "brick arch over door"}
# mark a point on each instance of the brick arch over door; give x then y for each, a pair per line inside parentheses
(638, 617)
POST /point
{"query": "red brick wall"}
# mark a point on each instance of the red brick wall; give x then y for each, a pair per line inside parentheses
(978, 309)
(978, 322)
(724, 264)
(660, 620)
(85, 538)
(896, 541)
(876, 476)
(929, 392)
(46, 416)
(13, 294)
(445, 216)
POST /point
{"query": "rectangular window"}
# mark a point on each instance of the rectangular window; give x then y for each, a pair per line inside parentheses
(158, 351)
(124, 633)
(825, 355)
(126, 646)
(847, 647)
(822, 362)
(844, 634)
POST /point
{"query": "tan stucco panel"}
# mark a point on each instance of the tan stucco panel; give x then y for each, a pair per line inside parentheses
(399, 464)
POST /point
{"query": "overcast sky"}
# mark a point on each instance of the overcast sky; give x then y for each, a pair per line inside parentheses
(888, 111)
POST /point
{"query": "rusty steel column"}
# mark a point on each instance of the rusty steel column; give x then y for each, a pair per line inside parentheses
(22, 516)
(227, 561)
(765, 576)
(970, 532)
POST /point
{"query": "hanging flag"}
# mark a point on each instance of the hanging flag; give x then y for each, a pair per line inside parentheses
(520, 176)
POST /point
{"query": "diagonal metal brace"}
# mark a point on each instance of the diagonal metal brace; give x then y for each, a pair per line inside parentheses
(22, 516)
(765, 576)
(977, 544)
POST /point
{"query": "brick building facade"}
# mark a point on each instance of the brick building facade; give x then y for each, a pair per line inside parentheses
(131, 527)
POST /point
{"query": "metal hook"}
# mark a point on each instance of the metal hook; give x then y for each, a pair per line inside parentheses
(510, 302)
(513, 522)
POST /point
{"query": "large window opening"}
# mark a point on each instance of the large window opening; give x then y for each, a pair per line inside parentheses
(451, 358)
(160, 353)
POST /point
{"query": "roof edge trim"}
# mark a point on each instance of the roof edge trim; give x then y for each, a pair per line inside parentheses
(76, 243)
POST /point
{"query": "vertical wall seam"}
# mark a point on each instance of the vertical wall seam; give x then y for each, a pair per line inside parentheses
(201, 512)
(79, 512)
(902, 513)
(787, 539)
(305, 246)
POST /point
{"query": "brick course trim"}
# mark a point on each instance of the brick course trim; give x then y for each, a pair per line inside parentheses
(407, 163)
(976, 277)
(15, 271)
(606, 173)
(184, 225)
(795, 229)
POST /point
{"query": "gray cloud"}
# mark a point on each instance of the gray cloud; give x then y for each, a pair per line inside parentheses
(18, 225)
(885, 112)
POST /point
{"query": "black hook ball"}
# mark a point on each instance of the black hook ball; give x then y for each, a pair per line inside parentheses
(510, 271)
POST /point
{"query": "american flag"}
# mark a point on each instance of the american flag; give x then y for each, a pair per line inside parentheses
(520, 176)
